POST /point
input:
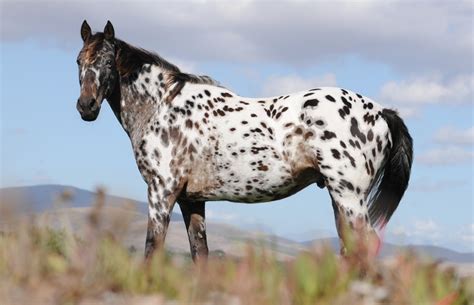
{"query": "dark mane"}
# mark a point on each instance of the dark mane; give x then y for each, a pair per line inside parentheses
(130, 59)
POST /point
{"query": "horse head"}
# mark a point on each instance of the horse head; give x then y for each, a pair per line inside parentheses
(98, 73)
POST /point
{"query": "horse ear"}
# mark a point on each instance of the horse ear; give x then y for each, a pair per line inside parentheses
(85, 31)
(109, 32)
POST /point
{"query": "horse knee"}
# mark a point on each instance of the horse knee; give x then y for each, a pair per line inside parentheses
(156, 231)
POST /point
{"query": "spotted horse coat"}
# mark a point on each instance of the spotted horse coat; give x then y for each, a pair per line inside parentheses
(196, 141)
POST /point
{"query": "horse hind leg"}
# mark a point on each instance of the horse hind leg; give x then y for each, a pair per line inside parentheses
(356, 234)
(194, 220)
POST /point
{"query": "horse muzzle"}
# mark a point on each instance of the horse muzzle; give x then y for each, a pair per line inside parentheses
(88, 108)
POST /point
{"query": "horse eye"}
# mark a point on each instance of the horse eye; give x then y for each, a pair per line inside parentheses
(109, 62)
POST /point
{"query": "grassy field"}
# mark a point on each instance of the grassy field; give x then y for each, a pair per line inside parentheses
(39, 265)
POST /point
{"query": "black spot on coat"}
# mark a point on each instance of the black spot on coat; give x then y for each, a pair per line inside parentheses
(355, 130)
(335, 153)
(330, 98)
(328, 135)
(311, 103)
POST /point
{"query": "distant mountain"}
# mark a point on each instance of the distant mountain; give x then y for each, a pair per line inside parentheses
(389, 249)
(43, 198)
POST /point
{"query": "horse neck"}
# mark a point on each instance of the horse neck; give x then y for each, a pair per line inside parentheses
(140, 97)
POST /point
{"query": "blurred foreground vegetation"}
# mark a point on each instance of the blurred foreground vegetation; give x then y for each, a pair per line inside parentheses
(39, 265)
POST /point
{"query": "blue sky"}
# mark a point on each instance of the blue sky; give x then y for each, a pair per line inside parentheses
(417, 58)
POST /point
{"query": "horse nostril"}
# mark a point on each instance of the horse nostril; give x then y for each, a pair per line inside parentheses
(79, 106)
(92, 104)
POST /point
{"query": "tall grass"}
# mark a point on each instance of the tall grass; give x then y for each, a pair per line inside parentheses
(39, 265)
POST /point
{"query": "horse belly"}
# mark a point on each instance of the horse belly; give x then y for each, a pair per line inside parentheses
(247, 181)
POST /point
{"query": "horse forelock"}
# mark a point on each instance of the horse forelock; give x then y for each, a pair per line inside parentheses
(91, 47)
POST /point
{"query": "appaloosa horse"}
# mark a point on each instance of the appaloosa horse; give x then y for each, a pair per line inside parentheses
(196, 141)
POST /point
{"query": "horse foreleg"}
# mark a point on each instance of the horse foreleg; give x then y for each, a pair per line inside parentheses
(195, 222)
(161, 201)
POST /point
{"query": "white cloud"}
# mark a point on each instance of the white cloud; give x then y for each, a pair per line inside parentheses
(399, 230)
(452, 135)
(427, 231)
(453, 151)
(449, 155)
(408, 111)
(277, 85)
(429, 90)
(421, 231)
(420, 227)
(423, 227)
(185, 65)
(288, 32)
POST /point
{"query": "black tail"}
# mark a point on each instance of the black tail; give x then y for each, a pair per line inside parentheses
(394, 175)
